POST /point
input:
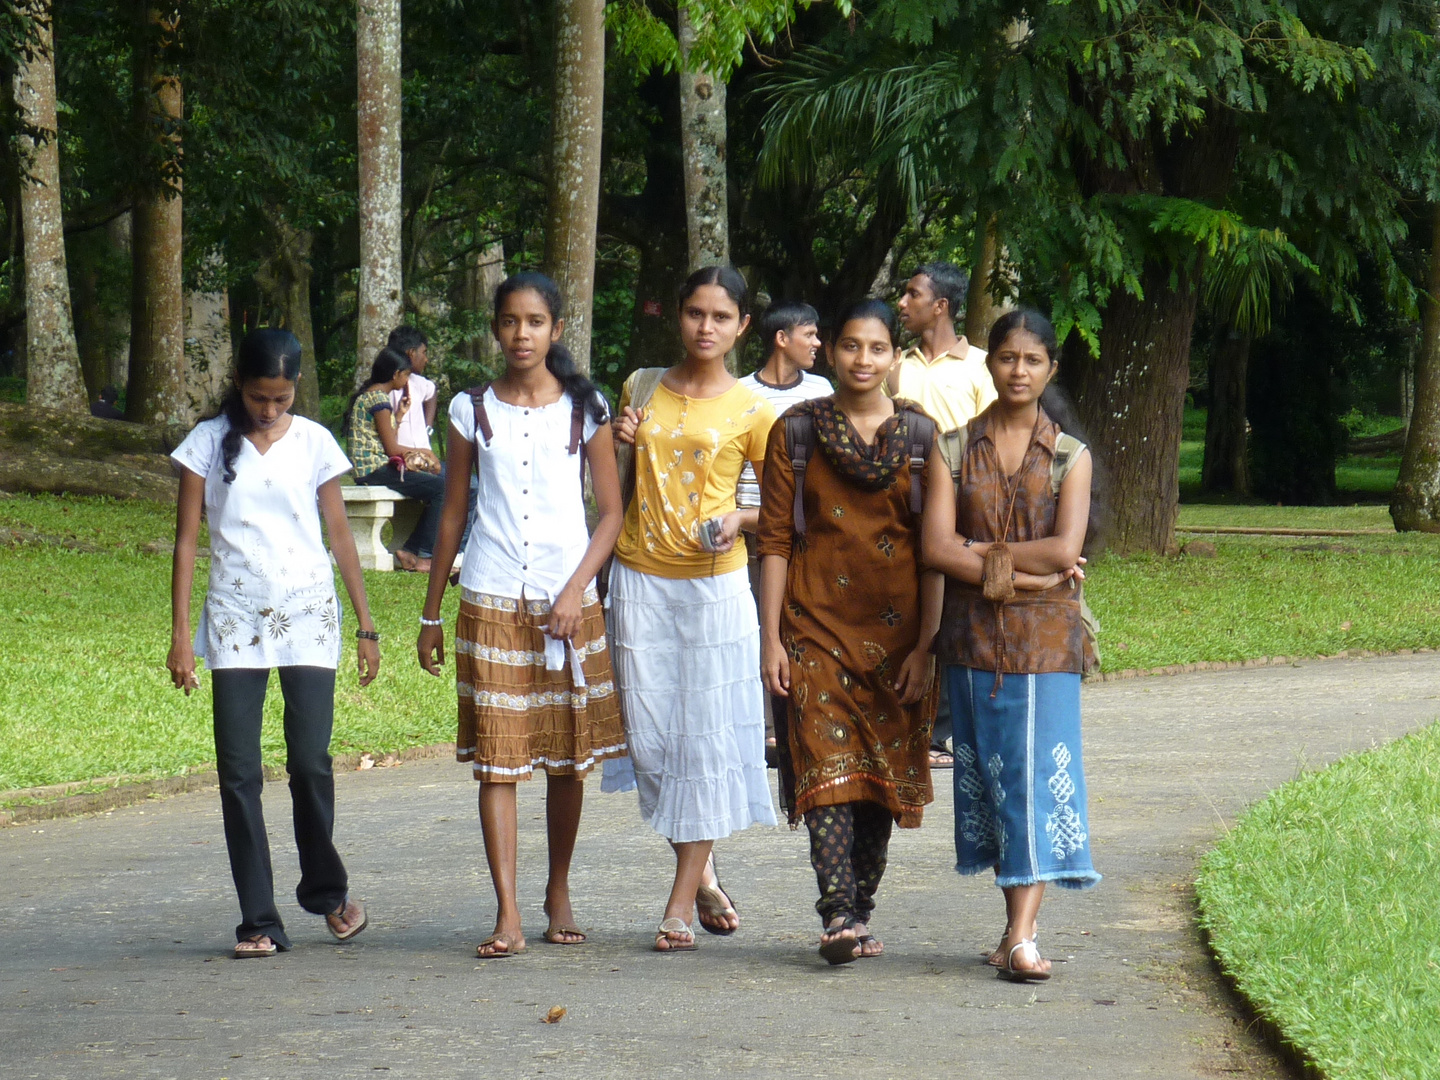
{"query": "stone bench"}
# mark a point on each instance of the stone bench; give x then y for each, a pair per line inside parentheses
(368, 509)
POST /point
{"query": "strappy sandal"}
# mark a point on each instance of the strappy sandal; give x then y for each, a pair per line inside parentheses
(513, 946)
(715, 902)
(258, 950)
(843, 946)
(338, 916)
(861, 939)
(675, 933)
(1010, 973)
(552, 935)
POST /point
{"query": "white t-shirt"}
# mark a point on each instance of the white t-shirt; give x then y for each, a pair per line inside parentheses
(411, 430)
(530, 532)
(271, 600)
(781, 397)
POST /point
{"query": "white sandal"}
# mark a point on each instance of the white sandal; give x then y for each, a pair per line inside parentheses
(1027, 974)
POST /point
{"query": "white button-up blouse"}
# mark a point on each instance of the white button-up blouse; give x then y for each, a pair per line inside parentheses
(530, 532)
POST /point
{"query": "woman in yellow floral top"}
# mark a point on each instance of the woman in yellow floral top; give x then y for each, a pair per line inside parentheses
(683, 620)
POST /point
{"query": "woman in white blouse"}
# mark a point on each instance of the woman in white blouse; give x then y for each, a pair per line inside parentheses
(263, 479)
(532, 671)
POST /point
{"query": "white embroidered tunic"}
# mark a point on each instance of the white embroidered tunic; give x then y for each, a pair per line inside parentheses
(271, 599)
(530, 532)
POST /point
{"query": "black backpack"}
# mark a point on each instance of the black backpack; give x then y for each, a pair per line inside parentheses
(800, 437)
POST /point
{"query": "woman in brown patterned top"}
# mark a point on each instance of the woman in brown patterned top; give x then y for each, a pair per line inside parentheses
(1008, 535)
(847, 620)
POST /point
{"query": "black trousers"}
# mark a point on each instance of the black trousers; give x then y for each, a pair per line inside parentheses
(849, 848)
(239, 695)
(429, 488)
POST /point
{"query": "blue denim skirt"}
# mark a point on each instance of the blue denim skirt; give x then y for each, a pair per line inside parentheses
(1019, 783)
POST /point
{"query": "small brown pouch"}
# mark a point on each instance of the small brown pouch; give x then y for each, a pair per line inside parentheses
(999, 574)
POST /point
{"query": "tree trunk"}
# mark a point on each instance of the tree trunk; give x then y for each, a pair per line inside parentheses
(53, 377)
(116, 315)
(381, 301)
(981, 310)
(484, 271)
(1132, 400)
(1226, 466)
(575, 164)
(1416, 502)
(284, 279)
(209, 360)
(702, 145)
(157, 305)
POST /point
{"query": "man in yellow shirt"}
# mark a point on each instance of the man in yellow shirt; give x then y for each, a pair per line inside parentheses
(943, 373)
(946, 376)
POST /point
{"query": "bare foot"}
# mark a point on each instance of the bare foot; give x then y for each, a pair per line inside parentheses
(870, 945)
(505, 941)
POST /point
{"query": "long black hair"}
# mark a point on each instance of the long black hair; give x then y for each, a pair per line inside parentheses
(1061, 409)
(265, 353)
(388, 362)
(868, 308)
(727, 277)
(558, 360)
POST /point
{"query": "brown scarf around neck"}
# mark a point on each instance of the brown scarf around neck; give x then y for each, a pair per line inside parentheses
(869, 467)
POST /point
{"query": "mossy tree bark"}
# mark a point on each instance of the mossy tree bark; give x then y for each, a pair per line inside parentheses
(53, 377)
(1416, 502)
(702, 147)
(157, 304)
(381, 299)
(981, 308)
(284, 279)
(574, 203)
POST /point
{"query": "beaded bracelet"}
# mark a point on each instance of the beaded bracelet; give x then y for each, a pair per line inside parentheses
(368, 635)
(432, 622)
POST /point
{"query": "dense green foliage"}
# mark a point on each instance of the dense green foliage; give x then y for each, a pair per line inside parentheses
(1322, 903)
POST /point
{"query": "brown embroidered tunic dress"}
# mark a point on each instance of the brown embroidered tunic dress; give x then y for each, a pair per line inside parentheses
(1036, 632)
(851, 617)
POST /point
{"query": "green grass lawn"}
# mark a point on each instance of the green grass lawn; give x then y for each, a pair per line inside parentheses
(84, 632)
(1324, 904)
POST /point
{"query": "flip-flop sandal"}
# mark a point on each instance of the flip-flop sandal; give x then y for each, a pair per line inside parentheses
(258, 950)
(339, 913)
(862, 939)
(1010, 973)
(716, 903)
(841, 949)
(552, 933)
(678, 927)
(498, 939)
(941, 759)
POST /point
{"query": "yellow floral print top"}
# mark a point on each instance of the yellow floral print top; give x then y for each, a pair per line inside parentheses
(688, 456)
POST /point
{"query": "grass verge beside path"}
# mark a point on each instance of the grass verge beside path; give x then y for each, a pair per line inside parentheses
(84, 630)
(1323, 904)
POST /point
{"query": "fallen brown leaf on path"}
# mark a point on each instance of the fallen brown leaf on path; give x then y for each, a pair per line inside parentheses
(555, 1015)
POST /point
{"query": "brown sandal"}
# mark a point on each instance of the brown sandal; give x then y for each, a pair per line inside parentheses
(511, 945)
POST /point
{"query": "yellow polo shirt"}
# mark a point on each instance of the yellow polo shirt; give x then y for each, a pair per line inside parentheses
(953, 389)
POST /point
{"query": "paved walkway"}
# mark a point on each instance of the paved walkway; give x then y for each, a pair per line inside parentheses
(115, 928)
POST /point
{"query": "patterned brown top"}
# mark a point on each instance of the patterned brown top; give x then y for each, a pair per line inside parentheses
(1041, 631)
(851, 617)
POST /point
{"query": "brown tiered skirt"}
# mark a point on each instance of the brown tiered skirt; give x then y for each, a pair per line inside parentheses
(515, 716)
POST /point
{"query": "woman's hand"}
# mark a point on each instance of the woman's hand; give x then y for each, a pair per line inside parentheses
(729, 531)
(367, 654)
(566, 615)
(1042, 582)
(181, 665)
(627, 424)
(431, 648)
(915, 675)
(775, 667)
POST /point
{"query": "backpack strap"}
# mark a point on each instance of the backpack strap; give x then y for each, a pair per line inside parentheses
(1067, 452)
(921, 439)
(642, 389)
(952, 449)
(800, 437)
(482, 419)
(577, 426)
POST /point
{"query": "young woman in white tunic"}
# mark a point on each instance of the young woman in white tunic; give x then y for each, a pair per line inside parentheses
(686, 636)
(532, 671)
(263, 479)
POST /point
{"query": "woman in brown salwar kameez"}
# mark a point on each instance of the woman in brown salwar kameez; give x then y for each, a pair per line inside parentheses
(847, 620)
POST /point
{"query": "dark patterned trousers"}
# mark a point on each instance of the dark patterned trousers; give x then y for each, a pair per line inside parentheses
(849, 845)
